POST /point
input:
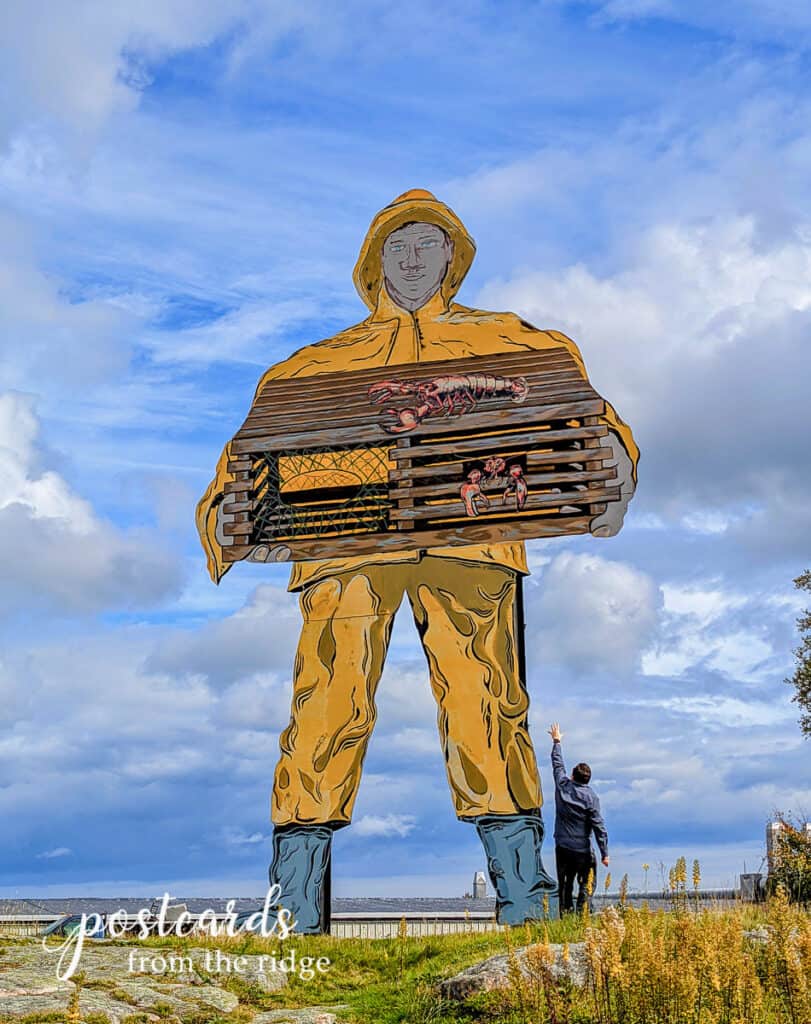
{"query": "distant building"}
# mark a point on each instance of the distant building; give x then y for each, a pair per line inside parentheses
(773, 829)
(479, 886)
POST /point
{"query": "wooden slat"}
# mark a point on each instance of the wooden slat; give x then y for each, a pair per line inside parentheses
(433, 470)
(324, 495)
(439, 490)
(518, 362)
(520, 437)
(319, 511)
(277, 532)
(360, 412)
(327, 389)
(534, 501)
(375, 435)
(472, 532)
(584, 455)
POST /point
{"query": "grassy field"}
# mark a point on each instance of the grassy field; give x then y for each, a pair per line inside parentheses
(684, 966)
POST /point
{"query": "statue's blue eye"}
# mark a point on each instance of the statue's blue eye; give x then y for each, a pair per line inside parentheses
(429, 243)
(396, 247)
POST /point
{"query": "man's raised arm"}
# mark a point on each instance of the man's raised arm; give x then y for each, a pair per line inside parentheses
(558, 767)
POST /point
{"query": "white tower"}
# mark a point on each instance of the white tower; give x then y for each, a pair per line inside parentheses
(479, 886)
(773, 829)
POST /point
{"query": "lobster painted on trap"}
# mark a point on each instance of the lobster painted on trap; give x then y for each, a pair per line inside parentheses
(449, 394)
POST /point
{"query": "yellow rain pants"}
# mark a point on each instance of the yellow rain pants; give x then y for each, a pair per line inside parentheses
(466, 616)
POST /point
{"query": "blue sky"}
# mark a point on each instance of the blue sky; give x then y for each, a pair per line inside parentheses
(183, 191)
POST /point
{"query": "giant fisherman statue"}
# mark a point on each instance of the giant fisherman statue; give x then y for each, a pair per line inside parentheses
(466, 601)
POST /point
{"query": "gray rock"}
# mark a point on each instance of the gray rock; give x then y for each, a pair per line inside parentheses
(211, 995)
(307, 1015)
(143, 995)
(99, 962)
(32, 979)
(494, 972)
(268, 981)
(179, 997)
(28, 983)
(22, 1006)
(95, 1000)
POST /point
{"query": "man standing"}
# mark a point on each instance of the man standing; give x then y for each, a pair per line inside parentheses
(577, 815)
(466, 601)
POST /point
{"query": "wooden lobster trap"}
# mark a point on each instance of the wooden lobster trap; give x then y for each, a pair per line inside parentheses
(495, 448)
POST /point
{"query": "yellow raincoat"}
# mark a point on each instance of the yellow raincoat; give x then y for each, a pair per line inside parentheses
(465, 600)
(442, 329)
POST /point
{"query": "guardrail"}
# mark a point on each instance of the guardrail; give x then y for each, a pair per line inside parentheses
(344, 925)
(374, 924)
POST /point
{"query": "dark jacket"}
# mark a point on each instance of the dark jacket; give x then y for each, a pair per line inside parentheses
(577, 811)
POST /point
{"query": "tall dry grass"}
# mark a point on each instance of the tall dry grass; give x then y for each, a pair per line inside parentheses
(683, 966)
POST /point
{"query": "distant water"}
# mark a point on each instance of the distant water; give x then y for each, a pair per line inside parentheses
(368, 905)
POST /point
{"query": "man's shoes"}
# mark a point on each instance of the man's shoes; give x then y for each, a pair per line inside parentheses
(301, 868)
(512, 843)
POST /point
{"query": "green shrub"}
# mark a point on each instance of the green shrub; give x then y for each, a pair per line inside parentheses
(791, 861)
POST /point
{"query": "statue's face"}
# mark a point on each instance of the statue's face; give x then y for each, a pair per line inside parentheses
(415, 260)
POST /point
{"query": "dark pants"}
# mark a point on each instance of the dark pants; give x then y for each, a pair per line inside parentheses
(573, 864)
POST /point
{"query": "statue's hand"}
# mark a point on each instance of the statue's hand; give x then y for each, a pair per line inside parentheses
(260, 552)
(609, 523)
(270, 553)
(225, 517)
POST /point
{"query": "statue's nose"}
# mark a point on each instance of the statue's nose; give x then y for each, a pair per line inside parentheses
(411, 258)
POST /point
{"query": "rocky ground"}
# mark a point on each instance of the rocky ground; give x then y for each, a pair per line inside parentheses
(494, 973)
(108, 991)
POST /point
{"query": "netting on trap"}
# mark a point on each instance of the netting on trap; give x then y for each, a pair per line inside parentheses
(320, 492)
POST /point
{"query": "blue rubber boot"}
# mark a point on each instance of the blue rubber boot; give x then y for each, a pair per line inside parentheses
(512, 843)
(301, 868)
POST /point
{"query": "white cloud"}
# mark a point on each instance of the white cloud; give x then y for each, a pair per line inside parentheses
(694, 763)
(700, 343)
(79, 64)
(699, 628)
(53, 547)
(691, 292)
(413, 742)
(253, 644)
(728, 712)
(243, 334)
(237, 837)
(384, 825)
(59, 851)
(50, 341)
(788, 23)
(709, 521)
(592, 614)
(404, 695)
(704, 603)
